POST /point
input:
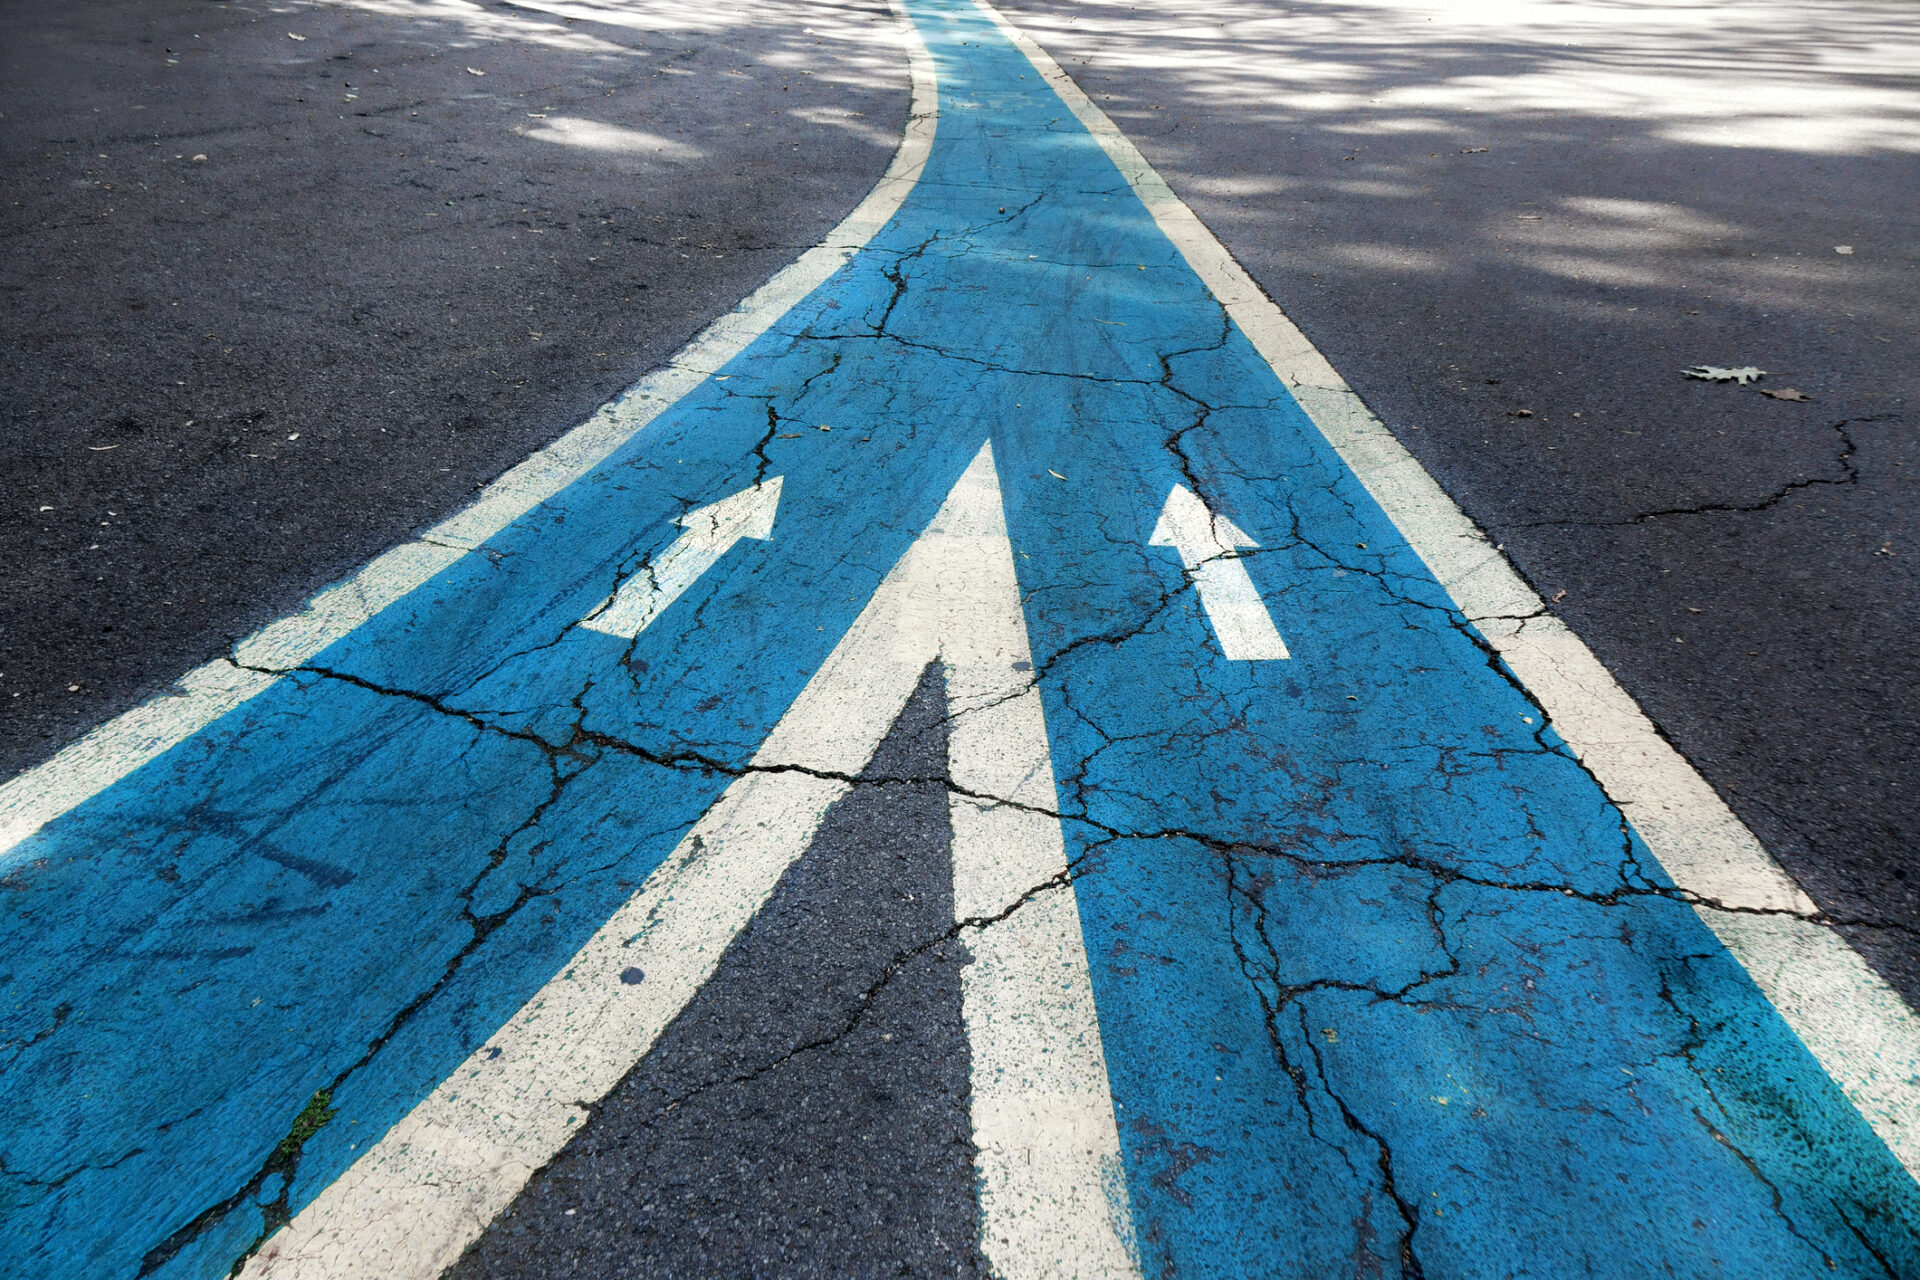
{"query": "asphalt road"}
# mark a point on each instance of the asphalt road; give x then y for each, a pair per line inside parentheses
(285, 287)
(233, 379)
(1550, 211)
(807, 1114)
(269, 305)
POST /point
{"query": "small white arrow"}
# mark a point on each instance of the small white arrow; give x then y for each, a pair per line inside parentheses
(710, 533)
(1207, 543)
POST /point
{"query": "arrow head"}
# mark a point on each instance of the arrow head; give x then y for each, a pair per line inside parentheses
(1185, 523)
(746, 514)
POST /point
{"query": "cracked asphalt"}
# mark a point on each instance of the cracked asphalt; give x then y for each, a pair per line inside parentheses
(271, 305)
(806, 1115)
(1386, 983)
(1514, 279)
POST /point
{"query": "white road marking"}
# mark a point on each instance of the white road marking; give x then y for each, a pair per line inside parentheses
(1864, 1035)
(1861, 1031)
(408, 1207)
(710, 533)
(1207, 544)
(1053, 1197)
(125, 743)
(1053, 1200)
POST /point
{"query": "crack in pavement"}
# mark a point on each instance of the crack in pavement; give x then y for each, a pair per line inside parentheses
(572, 749)
(863, 911)
(284, 1160)
(1849, 476)
(864, 1002)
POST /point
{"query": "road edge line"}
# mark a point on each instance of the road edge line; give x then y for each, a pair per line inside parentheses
(112, 751)
(1851, 1019)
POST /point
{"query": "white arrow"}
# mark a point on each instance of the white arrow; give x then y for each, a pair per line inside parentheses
(1207, 543)
(710, 533)
(1049, 1167)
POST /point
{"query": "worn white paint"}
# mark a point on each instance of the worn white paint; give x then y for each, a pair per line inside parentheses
(1856, 1025)
(710, 533)
(1053, 1201)
(408, 1207)
(1053, 1198)
(1207, 544)
(122, 745)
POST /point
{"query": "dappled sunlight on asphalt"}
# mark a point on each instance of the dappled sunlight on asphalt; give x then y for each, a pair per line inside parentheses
(1403, 92)
(1644, 243)
(614, 139)
(848, 121)
(465, 25)
(1380, 257)
(836, 42)
(1801, 76)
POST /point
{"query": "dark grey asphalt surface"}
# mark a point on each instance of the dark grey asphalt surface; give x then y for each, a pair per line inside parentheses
(427, 280)
(1746, 567)
(421, 273)
(806, 1114)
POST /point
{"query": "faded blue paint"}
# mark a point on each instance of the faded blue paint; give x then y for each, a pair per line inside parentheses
(1384, 985)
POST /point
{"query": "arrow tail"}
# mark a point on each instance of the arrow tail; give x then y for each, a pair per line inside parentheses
(646, 595)
(710, 533)
(1239, 616)
(1206, 542)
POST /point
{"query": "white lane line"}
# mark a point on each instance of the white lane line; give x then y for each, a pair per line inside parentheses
(419, 1196)
(408, 1207)
(1856, 1025)
(710, 533)
(117, 748)
(1207, 544)
(1052, 1196)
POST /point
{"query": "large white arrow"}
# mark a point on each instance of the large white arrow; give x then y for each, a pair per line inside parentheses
(710, 533)
(1207, 544)
(1053, 1195)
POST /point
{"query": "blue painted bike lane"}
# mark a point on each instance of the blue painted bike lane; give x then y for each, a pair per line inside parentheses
(1384, 982)
(230, 973)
